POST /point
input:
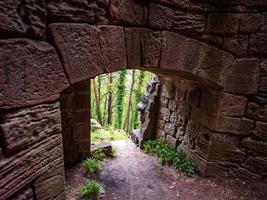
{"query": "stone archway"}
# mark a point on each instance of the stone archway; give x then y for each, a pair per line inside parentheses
(52, 48)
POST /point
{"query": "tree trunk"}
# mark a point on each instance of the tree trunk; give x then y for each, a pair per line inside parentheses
(97, 99)
(110, 100)
(128, 113)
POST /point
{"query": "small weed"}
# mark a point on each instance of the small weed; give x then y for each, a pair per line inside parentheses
(98, 154)
(114, 152)
(91, 189)
(170, 155)
(92, 165)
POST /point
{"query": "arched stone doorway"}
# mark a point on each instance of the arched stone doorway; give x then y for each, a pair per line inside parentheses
(41, 56)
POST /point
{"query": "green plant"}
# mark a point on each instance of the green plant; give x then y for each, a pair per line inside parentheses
(170, 155)
(114, 152)
(98, 154)
(92, 165)
(91, 189)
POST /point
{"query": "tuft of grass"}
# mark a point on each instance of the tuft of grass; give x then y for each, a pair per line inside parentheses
(92, 165)
(91, 189)
(114, 152)
(168, 154)
(98, 154)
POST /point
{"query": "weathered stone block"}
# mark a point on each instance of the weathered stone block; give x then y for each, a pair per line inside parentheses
(260, 131)
(175, 3)
(224, 148)
(164, 114)
(26, 194)
(171, 140)
(133, 46)
(150, 48)
(51, 184)
(236, 45)
(160, 17)
(243, 77)
(30, 73)
(223, 23)
(26, 126)
(19, 171)
(214, 69)
(254, 2)
(188, 23)
(128, 12)
(232, 105)
(250, 22)
(258, 44)
(95, 50)
(257, 165)
(91, 12)
(256, 112)
(169, 129)
(254, 146)
(23, 18)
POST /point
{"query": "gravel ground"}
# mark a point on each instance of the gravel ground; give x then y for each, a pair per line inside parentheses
(134, 175)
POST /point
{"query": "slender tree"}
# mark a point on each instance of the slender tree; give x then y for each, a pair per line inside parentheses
(128, 113)
(120, 98)
(110, 99)
(97, 99)
(138, 95)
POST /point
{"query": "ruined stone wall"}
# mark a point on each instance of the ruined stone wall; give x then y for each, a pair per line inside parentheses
(47, 46)
(214, 128)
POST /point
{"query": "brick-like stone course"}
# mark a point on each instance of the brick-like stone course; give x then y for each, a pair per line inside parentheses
(214, 51)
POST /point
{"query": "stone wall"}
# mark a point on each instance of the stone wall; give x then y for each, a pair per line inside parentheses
(75, 112)
(48, 46)
(213, 128)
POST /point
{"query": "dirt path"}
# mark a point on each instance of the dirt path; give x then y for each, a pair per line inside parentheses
(133, 175)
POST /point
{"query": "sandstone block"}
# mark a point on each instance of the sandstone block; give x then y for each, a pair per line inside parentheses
(95, 50)
(23, 18)
(260, 130)
(26, 126)
(188, 23)
(223, 23)
(91, 12)
(258, 44)
(236, 45)
(19, 171)
(243, 77)
(250, 22)
(127, 12)
(160, 17)
(232, 105)
(256, 112)
(30, 73)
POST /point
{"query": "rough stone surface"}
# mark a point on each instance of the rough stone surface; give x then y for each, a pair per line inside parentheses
(96, 50)
(30, 73)
(223, 23)
(128, 11)
(19, 170)
(28, 126)
(243, 77)
(23, 18)
(91, 12)
(212, 104)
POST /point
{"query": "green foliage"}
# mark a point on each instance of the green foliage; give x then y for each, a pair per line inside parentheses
(120, 98)
(91, 189)
(138, 93)
(114, 152)
(120, 88)
(170, 155)
(98, 154)
(92, 165)
(109, 134)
